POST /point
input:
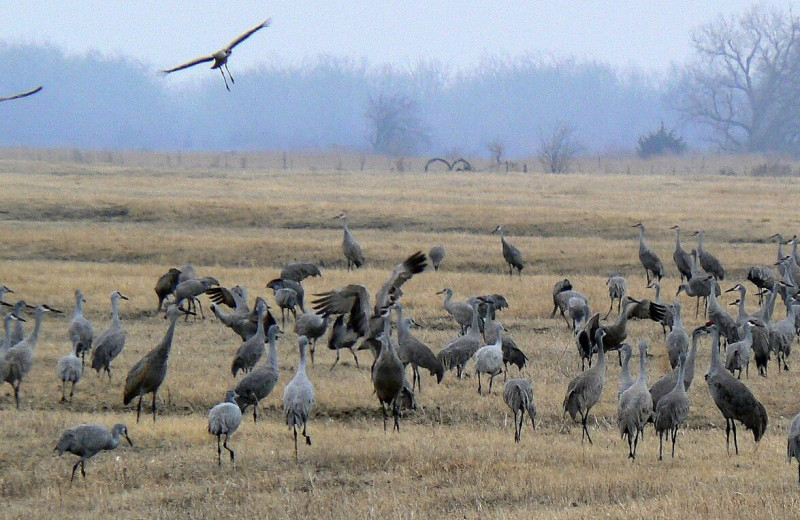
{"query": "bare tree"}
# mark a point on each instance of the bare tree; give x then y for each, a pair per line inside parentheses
(745, 82)
(496, 151)
(557, 150)
(396, 128)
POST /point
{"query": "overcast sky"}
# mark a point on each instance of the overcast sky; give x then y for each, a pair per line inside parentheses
(629, 34)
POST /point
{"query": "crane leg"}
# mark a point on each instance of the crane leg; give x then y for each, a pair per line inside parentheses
(16, 394)
(155, 409)
(735, 442)
(63, 391)
(660, 445)
(337, 358)
(229, 73)
(354, 356)
(219, 452)
(225, 80)
(674, 438)
(74, 469)
(71, 391)
(396, 415)
(479, 383)
(294, 430)
(138, 409)
(225, 445)
(306, 435)
(383, 409)
(584, 419)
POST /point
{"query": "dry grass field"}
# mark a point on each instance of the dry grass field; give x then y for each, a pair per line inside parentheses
(102, 227)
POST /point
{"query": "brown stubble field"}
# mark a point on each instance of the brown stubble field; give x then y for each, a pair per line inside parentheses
(101, 227)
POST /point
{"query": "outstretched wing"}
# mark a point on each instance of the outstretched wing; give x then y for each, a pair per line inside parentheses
(188, 64)
(402, 273)
(246, 35)
(22, 95)
(352, 299)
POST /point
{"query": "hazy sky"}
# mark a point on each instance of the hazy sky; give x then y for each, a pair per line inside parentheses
(636, 33)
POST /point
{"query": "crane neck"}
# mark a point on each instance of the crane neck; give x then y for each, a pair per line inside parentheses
(34, 335)
(643, 363)
(115, 309)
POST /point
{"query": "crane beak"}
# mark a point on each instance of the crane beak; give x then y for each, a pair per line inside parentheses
(129, 440)
(123, 297)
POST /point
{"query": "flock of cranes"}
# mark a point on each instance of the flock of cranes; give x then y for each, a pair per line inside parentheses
(358, 318)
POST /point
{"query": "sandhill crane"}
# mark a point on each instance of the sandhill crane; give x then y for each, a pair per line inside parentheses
(80, 327)
(561, 302)
(617, 288)
(191, 289)
(87, 440)
(511, 254)
(350, 247)
(625, 379)
(260, 382)
(224, 419)
(669, 314)
(793, 443)
(243, 320)
(649, 259)
(388, 375)
(342, 337)
(512, 354)
(489, 359)
(354, 300)
(412, 351)
(111, 342)
(558, 288)
(299, 271)
(436, 254)
(708, 262)
(251, 350)
(287, 301)
(759, 332)
(279, 283)
(585, 390)
(22, 94)
(635, 408)
(682, 259)
(678, 339)
(579, 312)
(70, 370)
(763, 277)
(220, 58)
(672, 410)
(3, 291)
(166, 285)
(664, 385)
(313, 327)
(733, 398)
(149, 372)
(518, 395)
(737, 354)
(727, 325)
(8, 321)
(699, 285)
(460, 350)
(460, 311)
(615, 333)
(298, 398)
(18, 331)
(18, 360)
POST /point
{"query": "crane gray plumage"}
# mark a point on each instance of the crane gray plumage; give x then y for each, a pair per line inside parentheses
(667, 382)
(187, 272)
(733, 398)
(678, 339)
(18, 331)
(782, 334)
(511, 254)
(491, 302)
(80, 327)
(672, 410)
(699, 285)
(298, 398)
(70, 370)
(250, 351)
(191, 289)
(512, 354)
(635, 408)
(584, 390)
(313, 327)
(558, 288)
(518, 395)
(460, 311)
(259, 383)
(737, 354)
(763, 277)
(579, 312)
(166, 285)
(297, 287)
(625, 379)
(644, 309)
(243, 320)
(460, 350)
(388, 375)
(18, 360)
(708, 262)
(111, 341)
(726, 323)
(354, 300)
(342, 337)
(649, 259)
(147, 375)
(412, 351)
(793, 443)
(22, 94)
(489, 359)
(617, 288)
(8, 324)
(682, 259)
(350, 246)
(436, 254)
(299, 271)
(669, 310)
(87, 440)
(615, 333)
(561, 303)
(220, 58)
(224, 419)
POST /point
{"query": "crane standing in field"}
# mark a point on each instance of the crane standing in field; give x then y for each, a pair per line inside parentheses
(224, 419)
(585, 390)
(110, 343)
(298, 398)
(518, 395)
(220, 58)
(682, 259)
(81, 328)
(649, 259)
(350, 247)
(511, 254)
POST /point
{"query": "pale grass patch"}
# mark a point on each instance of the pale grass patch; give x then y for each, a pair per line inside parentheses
(102, 227)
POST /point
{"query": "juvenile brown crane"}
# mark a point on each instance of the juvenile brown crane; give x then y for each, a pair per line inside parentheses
(220, 58)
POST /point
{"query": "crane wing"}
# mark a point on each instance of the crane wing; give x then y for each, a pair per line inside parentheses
(246, 35)
(188, 64)
(22, 95)
(402, 273)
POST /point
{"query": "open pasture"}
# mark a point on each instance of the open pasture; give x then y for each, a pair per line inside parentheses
(104, 227)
